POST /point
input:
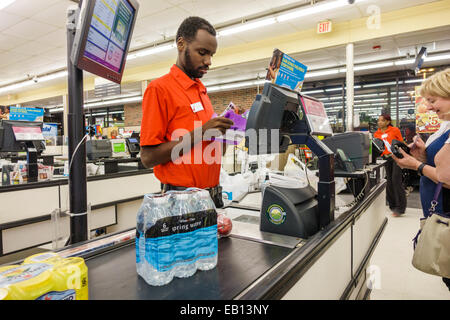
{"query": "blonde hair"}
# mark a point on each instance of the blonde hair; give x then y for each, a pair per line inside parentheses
(438, 85)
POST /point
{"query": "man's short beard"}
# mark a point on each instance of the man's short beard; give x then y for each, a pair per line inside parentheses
(189, 66)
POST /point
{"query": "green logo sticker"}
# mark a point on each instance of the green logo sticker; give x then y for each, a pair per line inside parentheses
(276, 214)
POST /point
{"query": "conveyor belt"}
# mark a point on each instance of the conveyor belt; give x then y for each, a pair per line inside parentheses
(113, 275)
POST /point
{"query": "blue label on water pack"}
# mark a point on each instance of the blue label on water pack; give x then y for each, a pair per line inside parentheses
(181, 240)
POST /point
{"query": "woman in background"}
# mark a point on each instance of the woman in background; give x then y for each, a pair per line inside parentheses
(395, 192)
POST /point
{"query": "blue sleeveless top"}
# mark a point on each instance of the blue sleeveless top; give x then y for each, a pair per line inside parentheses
(427, 186)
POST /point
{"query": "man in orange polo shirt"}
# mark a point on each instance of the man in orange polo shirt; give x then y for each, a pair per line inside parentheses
(177, 117)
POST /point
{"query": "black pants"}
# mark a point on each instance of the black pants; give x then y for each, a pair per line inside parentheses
(395, 192)
(215, 193)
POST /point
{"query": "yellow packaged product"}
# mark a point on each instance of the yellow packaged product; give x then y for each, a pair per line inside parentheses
(4, 294)
(44, 257)
(27, 282)
(4, 268)
(71, 274)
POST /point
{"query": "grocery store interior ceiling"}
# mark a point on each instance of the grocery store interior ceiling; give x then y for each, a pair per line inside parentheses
(33, 36)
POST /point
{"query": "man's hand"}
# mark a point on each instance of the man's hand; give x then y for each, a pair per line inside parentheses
(220, 123)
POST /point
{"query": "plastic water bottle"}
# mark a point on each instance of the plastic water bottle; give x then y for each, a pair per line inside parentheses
(185, 250)
(158, 251)
(207, 241)
(140, 234)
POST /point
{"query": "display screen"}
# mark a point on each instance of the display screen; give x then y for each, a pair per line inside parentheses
(316, 116)
(133, 140)
(27, 133)
(108, 33)
(119, 147)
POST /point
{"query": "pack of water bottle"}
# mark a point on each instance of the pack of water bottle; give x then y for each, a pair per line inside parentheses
(176, 234)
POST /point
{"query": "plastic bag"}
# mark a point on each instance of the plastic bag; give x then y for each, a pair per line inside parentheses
(224, 224)
(233, 186)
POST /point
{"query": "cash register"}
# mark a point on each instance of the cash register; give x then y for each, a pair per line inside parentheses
(277, 118)
(19, 136)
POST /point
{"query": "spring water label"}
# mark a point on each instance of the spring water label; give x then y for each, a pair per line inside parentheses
(182, 224)
(181, 239)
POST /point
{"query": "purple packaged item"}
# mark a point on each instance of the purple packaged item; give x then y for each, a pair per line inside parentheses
(236, 133)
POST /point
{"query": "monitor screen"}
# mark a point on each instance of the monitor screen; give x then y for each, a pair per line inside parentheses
(28, 133)
(103, 37)
(119, 147)
(316, 116)
(13, 134)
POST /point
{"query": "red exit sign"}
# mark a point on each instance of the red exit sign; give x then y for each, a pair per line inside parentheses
(324, 27)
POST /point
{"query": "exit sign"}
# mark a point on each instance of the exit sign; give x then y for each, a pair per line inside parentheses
(324, 27)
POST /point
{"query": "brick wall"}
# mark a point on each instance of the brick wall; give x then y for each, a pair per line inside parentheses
(133, 115)
(219, 100)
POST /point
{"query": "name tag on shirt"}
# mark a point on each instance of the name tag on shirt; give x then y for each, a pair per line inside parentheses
(196, 107)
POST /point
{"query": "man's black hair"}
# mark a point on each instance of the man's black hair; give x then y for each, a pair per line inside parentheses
(189, 27)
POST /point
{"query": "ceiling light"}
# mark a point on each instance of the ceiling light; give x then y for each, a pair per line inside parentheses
(5, 3)
(321, 73)
(16, 86)
(437, 57)
(414, 81)
(303, 12)
(379, 84)
(53, 76)
(150, 51)
(403, 62)
(247, 26)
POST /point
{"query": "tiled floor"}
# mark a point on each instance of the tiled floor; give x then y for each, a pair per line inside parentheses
(399, 280)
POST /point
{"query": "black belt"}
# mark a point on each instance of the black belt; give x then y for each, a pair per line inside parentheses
(214, 192)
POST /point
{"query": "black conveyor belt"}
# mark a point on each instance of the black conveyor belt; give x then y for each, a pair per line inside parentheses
(113, 275)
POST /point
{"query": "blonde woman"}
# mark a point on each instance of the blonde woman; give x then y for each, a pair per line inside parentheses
(432, 159)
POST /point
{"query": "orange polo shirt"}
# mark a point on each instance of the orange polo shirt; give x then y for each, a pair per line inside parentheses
(172, 106)
(390, 134)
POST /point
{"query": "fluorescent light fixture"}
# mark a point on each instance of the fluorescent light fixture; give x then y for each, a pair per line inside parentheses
(5, 3)
(235, 85)
(312, 91)
(150, 51)
(113, 102)
(414, 81)
(56, 110)
(247, 26)
(311, 10)
(17, 86)
(53, 76)
(403, 62)
(321, 73)
(438, 57)
(382, 84)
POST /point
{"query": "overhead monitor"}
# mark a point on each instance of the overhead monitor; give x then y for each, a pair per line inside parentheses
(103, 37)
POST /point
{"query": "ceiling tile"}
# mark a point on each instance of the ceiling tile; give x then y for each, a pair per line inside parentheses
(28, 8)
(7, 20)
(55, 15)
(8, 42)
(29, 29)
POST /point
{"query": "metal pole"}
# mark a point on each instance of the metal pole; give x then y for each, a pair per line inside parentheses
(350, 86)
(397, 105)
(343, 106)
(76, 128)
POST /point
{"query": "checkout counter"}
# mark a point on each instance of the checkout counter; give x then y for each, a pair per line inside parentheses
(328, 258)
